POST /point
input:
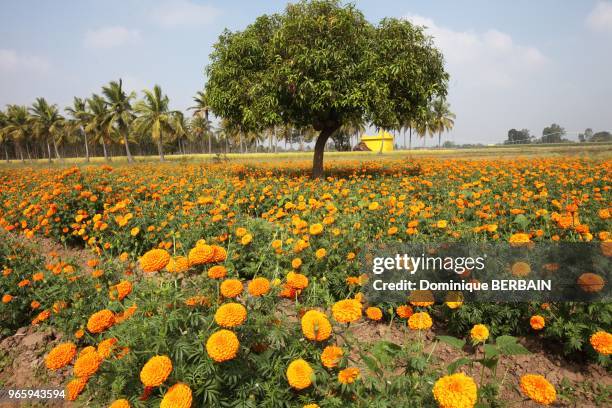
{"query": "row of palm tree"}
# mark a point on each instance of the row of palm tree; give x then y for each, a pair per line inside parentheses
(115, 118)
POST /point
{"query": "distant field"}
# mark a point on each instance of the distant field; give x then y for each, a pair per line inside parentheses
(602, 151)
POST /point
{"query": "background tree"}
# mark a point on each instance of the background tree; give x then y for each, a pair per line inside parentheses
(80, 118)
(17, 128)
(604, 136)
(443, 119)
(518, 136)
(201, 110)
(322, 64)
(46, 122)
(120, 113)
(553, 134)
(155, 118)
(4, 138)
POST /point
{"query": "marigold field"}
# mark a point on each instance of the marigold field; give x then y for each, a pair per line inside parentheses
(238, 285)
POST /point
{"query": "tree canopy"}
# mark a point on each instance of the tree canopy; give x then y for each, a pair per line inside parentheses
(320, 63)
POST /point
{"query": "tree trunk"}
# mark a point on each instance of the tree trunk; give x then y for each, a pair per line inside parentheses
(160, 148)
(127, 149)
(105, 151)
(19, 151)
(439, 139)
(49, 151)
(86, 147)
(6, 154)
(317, 161)
(404, 137)
(28, 152)
(57, 155)
(410, 139)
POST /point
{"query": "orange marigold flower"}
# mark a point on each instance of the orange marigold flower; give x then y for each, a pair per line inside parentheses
(177, 396)
(321, 253)
(297, 280)
(42, 316)
(404, 311)
(591, 282)
(347, 311)
(455, 391)
(520, 269)
(230, 315)
(100, 321)
(231, 288)
(120, 290)
(296, 263)
(538, 389)
(331, 355)
(374, 313)
(105, 348)
(420, 321)
(197, 300)
(219, 254)
(79, 333)
(537, 322)
(299, 374)
(316, 326)
(7, 298)
(348, 375)
(259, 287)
(120, 403)
(88, 349)
(35, 304)
(75, 387)
(87, 364)
(178, 264)
(479, 333)
(217, 272)
(201, 254)
(60, 356)
(222, 345)
(602, 342)
(156, 371)
(316, 229)
(38, 276)
(154, 260)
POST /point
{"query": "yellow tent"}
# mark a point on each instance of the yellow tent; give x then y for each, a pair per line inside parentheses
(373, 142)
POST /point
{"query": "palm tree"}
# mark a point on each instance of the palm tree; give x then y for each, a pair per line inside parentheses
(3, 135)
(443, 119)
(155, 117)
(424, 125)
(46, 122)
(80, 118)
(120, 113)
(17, 127)
(199, 127)
(96, 124)
(201, 109)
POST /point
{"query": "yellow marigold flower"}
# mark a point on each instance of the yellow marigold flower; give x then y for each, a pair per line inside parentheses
(537, 322)
(602, 342)
(230, 315)
(177, 396)
(315, 326)
(538, 389)
(479, 333)
(374, 313)
(442, 224)
(241, 232)
(519, 239)
(420, 321)
(120, 403)
(105, 347)
(75, 387)
(297, 280)
(296, 263)
(520, 269)
(373, 206)
(219, 254)
(321, 253)
(201, 254)
(347, 311)
(178, 264)
(100, 321)
(455, 391)
(60, 356)
(299, 374)
(311, 406)
(134, 231)
(156, 371)
(331, 355)
(222, 345)
(348, 375)
(87, 364)
(231, 288)
(154, 260)
(259, 287)
(86, 350)
(246, 240)
(315, 229)
(217, 272)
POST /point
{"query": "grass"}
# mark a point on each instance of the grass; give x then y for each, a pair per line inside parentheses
(603, 151)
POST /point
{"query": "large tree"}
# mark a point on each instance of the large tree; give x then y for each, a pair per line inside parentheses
(97, 124)
(17, 128)
(443, 118)
(322, 64)
(120, 113)
(201, 110)
(553, 134)
(46, 122)
(80, 118)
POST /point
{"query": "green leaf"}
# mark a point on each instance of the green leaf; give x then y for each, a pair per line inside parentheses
(522, 221)
(490, 351)
(452, 367)
(452, 341)
(372, 365)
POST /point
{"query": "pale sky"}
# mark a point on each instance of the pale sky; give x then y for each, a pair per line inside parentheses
(521, 63)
